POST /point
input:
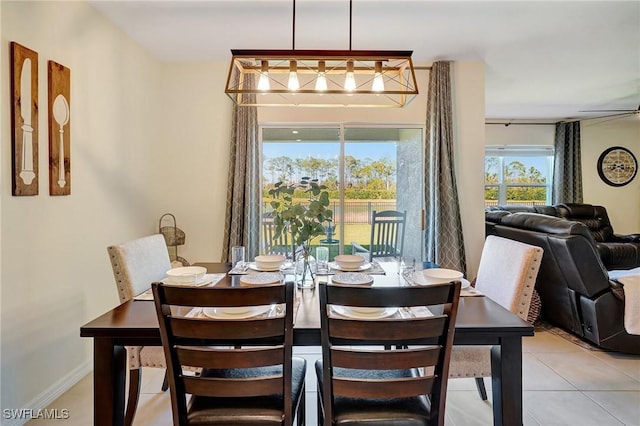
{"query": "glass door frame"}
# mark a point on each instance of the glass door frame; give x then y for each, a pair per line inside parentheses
(341, 127)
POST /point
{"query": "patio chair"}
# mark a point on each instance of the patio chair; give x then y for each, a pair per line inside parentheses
(507, 274)
(136, 264)
(387, 235)
(249, 376)
(361, 382)
(271, 244)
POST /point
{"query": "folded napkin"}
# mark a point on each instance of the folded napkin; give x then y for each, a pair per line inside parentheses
(470, 291)
(209, 281)
(239, 270)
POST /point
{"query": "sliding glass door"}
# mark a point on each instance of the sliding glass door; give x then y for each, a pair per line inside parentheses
(365, 169)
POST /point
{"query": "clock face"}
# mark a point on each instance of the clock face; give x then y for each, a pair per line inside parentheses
(617, 166)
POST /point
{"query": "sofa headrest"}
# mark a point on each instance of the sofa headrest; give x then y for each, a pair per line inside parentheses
(547, 224)
(495, 216)
(594, 217)
(575, 210)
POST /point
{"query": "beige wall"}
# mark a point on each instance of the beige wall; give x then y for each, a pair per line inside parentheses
(622, 203)
(519, 134)
(596, 136)
(55, 273)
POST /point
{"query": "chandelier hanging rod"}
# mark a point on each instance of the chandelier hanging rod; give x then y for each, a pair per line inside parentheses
(343, 78)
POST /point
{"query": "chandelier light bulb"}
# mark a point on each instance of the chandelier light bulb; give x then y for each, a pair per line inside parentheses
(321, 80)
(378, 81)
(293, 83)
(350, 80)
(263, 82)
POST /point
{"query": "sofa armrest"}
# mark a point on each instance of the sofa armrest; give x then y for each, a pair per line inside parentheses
(631, 238)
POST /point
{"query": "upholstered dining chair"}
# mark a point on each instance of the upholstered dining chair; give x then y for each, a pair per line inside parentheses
(249, 376)
(363, 384)
(136, 264)
(507, 274)
(387, 235)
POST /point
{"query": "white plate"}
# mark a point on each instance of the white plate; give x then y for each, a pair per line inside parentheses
(223, 313)
(199, 283)
(345, 311)
(252, 265)
(363, 267)
(420, 279)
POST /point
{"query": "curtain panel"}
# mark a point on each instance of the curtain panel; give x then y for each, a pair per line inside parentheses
(567, 164)
(444, 239)
(242, 220)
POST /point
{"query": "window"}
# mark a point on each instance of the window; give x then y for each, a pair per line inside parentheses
(364, 169)
(518, 175)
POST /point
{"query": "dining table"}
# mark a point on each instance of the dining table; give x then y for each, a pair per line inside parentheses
(480, 321)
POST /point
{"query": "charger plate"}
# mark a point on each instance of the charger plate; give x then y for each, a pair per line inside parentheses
(352, 278)
(348, 312)
(226, 313)
(261, 278)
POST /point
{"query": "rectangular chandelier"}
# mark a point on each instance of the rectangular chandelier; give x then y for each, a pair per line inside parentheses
(322, 78)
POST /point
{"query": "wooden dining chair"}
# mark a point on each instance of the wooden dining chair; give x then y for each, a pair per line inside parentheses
(249, 376)
(372, 385)
(136, 264)
(387, 235)
(507, 274)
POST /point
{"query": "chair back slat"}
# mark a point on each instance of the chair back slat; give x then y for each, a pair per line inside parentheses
(230, 358)
(401, 358)
(233, 388)
(271, 244)
(392, 331)
(180, 295)
(194, 328)
(221, 346)
(422, 331)
(387, 233)
(412, 386)
(382, 297)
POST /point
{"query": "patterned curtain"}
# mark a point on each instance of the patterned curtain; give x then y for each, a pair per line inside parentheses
(242, 220)
(444, 240)
(567, 168)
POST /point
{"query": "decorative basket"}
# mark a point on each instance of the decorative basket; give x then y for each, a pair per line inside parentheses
(173, 235)
(535, 308)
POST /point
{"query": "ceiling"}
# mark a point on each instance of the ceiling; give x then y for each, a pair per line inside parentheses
(544, 60)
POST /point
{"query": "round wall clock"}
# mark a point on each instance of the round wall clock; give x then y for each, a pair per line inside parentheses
(617, 166)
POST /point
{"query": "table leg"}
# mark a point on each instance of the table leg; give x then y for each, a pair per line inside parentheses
(109, 370)
(506, 380)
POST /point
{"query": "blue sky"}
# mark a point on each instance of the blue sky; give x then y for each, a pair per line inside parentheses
(330, 150)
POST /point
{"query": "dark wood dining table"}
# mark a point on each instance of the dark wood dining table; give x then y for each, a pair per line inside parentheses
(480, 321)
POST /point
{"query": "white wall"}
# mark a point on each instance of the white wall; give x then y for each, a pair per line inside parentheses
(55, 274)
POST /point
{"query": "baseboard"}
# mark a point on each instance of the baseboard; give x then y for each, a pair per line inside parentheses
(45, 398)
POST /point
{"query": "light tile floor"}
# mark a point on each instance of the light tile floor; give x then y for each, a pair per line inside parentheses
(563, 384)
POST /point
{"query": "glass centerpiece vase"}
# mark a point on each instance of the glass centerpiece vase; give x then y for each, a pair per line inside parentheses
(301, 209)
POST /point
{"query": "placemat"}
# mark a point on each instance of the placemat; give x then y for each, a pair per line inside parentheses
(212, 279)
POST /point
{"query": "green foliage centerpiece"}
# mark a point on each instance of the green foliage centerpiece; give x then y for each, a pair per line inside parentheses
(304, 220)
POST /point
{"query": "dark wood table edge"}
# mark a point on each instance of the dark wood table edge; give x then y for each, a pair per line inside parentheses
(110, 362)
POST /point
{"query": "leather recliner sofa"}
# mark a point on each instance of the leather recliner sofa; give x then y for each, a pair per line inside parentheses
(616, 251)
(575, 291)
